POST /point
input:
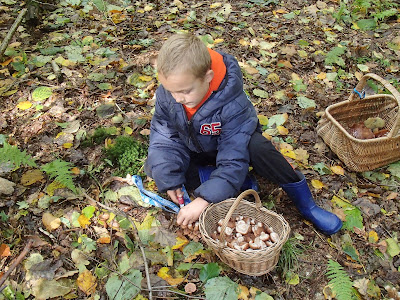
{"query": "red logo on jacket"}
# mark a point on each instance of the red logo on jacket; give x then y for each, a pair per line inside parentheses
(211, 129)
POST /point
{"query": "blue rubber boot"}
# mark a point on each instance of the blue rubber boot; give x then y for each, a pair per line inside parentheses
(249, 183)
(325, 221)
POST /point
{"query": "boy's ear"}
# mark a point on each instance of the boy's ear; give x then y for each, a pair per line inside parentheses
(209, 76)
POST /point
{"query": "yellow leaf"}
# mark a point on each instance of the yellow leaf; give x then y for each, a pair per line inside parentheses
(145, 78)
(217, 41)
(54, 186)
(31, 176)
(321, 75)
(302, 155)
(282, 130)
(317, 184)
(263, 120)
(87, 282)
(23, 105)
(244, 292)
(128, 130)
(244, 42)
(147, 222)
(163, 273)
(50, 222)
(67, 145)
(216, 5)
(148, 8)
(267, 136)
(288, 153)
(372, 237)
(83, 221)
(295, 77)
(337, 170)
(273, 77)
(180, 242)
(254, 291)
(75, 171)
(104, 240)
(280, 11)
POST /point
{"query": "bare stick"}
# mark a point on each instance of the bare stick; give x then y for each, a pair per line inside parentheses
(16, 263)
(10, 34)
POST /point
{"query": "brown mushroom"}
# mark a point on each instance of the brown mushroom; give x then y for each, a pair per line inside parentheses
(257, 230)
(256, 244)
(264, 236)
(274, 237)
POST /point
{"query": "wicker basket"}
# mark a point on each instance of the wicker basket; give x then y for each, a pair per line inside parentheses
(357, 154)
(255, 262)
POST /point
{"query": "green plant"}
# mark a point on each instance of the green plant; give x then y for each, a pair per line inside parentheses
(339, 281)
(99, 136)
(290, 252)
(61, 172)
(128, 153)
(11, 157)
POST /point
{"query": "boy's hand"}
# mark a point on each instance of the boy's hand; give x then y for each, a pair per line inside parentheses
(175, 194)
(190, 213)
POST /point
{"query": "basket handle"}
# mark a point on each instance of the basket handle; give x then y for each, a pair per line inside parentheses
(233, 208)
(360, 86)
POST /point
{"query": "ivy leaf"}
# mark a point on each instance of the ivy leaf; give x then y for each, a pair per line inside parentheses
(221, 288)
(208, 271)
(366, 24)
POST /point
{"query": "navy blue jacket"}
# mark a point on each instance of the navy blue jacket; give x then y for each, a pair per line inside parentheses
(224, 123)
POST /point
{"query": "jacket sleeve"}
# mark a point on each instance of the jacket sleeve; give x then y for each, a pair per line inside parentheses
(168, 157)
(232, 158)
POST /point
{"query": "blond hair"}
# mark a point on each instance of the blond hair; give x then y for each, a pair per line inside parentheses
(184, 53)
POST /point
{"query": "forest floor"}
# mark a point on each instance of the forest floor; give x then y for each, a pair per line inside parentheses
(79, 75)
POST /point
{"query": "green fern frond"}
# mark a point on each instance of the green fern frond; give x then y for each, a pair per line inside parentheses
(339, 281)
(12, 155)
(61, 172)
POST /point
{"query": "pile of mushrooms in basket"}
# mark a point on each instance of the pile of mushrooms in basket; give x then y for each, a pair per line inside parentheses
(244, 233)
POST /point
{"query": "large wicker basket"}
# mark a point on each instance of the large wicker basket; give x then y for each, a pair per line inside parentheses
(357, 154)
(255, 262)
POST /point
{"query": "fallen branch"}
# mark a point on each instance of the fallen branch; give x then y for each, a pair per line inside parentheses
(15, 263)
(10, 34)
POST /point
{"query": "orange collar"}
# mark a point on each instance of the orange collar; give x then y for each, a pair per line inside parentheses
(219, 68)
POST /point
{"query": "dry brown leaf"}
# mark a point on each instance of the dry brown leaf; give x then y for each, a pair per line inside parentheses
(50, 222)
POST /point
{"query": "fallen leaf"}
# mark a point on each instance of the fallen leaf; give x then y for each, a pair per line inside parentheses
(163, 273)
(50, 222)
(83, 221)
(87, 282)
(4, 250)
(392, 195)
(372, 237)
(282, 130)
(263, 120)
(317, 184)
(23, 105)
(244, 292)
(32, 176)
(338, 170)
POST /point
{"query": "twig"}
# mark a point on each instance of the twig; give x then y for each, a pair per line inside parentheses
(10, 34)
(15, 263)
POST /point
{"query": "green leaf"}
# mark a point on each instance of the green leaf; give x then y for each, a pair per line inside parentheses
(88, 211)
(263, 296)
(366, 24)
(353, 219)
(22, 205)
(221, 288)
(299, 86)
(322, 169)
(394, 169)
(96, 76)
(51, 50)
(14, 158)
(208, 271)
(305, 102)
(277, 120)
(333, 56)
(105, 86)
(61, 172)
(260, 93)
(192, 248)
(41, 93)
(41, 60)
(121, 289)
(393, 247)
(100, 4)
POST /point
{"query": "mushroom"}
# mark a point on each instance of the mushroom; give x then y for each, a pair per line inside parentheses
(242, 227)
(257, 229)
(269, 243)
(256, 244)
(250, 237)
(244, 245)
(274, 237)
(264, 236)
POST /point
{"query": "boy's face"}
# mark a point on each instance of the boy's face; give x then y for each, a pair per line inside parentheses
(186, 88)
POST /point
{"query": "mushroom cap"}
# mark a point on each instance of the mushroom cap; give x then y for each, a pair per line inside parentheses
(274, 237)
(242, 227)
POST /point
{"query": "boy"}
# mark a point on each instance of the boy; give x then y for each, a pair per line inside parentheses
(202, 117)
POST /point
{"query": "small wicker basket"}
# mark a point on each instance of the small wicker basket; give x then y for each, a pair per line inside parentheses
(255, 262)
(357, 154)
